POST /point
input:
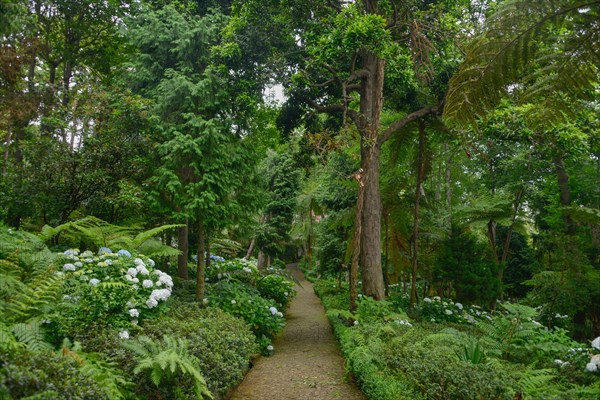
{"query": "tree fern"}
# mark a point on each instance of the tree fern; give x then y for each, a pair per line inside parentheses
(504, 334)
(96, 233)
(166, 360)
(546, 47)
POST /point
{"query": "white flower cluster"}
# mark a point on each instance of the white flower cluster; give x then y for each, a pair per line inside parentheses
(275, 312)
(156, 296)
(403, 322)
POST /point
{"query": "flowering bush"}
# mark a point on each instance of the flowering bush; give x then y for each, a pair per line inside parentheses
(238, 268)
(245, 302)
(116, 288)
(268, 283)
(278, 288)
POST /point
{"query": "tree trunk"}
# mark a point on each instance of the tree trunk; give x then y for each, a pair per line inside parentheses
(250, 248)
(201, 263)
(182, 259)
(565, 193)
(262, 260)
(415, 233)
(356, 243)
(448, 183)
(386, 244)
(371, 103)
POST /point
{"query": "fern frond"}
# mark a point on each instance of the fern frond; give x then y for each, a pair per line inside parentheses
(165, 360)
(141, 237)
(31, 335)
(552, 44)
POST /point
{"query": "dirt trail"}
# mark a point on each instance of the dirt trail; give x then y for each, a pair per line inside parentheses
(306, 364)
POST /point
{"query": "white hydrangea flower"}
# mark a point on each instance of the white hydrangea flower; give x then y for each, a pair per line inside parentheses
(151, 262)
(86, 254)
(134, 313)
(151, 303)
(138, 261)
(142, 270)
(233, 301)
(69, 267)
(591, 367)
(78, 264)
(273, 310)
(280, 314)
(437, 298)
(448, 312)
(147, 283)
(94, 281)
(89, 260)
(132, 272)
(427, 300)
(459, 306)
(124, 335)
(135, 280)
(270, 348)
(355, 323)
(558, 362)
(246, 269)
(205, 301)
(596, 343)
(131, 304)
(285, 294)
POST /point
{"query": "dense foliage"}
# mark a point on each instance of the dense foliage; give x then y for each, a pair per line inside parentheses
(162, 160)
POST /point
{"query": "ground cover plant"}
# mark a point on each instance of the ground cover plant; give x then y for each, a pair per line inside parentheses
(111, 325)
(446, 350)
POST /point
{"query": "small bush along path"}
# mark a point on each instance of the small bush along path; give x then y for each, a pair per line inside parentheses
(306, 363)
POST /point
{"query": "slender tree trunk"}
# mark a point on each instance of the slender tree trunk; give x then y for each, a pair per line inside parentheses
(262, 260)
(183, 244)
(7, 152)
(448, 183)
(200, 273)
(415, 233)
(371, 103)
(386, 276)
(250, 248)
(309, 249)
(565, 193)
(506, 246)
(356, 245)
(491, 228)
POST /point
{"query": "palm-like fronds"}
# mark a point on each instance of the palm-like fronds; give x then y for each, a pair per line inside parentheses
(97, 233)
(165, 360)
(544, 50)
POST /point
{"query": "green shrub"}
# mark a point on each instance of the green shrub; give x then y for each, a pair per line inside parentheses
(245, 302)
(278, 288)
(45, 375)
(117, 289)
(222, 343)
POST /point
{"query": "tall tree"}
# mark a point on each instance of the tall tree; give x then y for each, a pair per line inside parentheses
(353, 54)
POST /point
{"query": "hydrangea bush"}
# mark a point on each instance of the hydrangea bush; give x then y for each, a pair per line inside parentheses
(262, 315)
(116, 288)
(268, 283)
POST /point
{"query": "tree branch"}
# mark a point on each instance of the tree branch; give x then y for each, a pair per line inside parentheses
(401, 123)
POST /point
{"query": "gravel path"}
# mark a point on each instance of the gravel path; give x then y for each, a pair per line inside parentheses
(306, 364)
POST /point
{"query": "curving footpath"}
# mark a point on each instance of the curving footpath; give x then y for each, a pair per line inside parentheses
(306, 364)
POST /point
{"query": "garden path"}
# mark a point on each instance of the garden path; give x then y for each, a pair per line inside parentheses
(306, 363)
